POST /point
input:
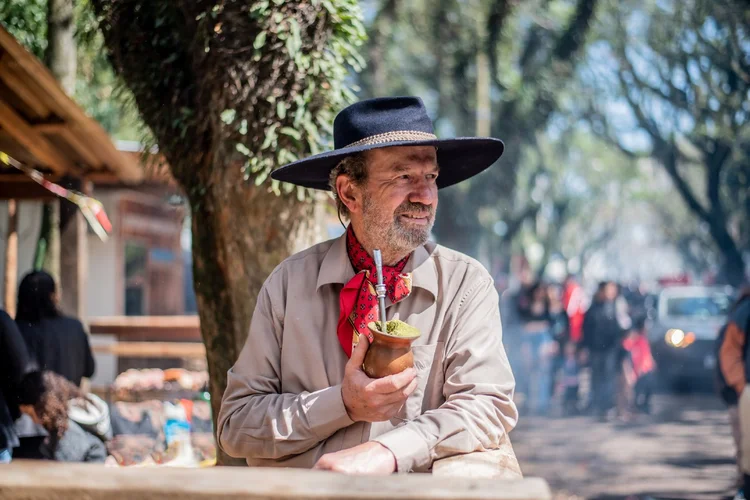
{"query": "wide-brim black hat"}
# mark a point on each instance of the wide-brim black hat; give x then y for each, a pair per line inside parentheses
(387, 122)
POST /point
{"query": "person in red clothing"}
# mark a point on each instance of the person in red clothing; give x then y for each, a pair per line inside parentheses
(637, 344)
(573, 302)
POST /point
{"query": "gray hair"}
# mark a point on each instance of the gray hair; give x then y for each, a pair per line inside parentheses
(354, 167)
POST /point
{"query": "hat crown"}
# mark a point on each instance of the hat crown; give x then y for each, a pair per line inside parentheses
(382, 115)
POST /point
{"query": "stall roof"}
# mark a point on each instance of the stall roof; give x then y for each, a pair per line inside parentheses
(44, 128)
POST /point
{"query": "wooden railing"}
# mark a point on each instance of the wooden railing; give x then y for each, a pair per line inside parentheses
(153, 349)
(60, 481)
(151, 328)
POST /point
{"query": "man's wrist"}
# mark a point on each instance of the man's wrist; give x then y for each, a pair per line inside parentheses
(388, 458)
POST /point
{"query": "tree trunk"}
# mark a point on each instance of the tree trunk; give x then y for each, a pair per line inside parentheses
(61, 48)
(240, 234)
(61, 60)
(733, 265)
(48, 245)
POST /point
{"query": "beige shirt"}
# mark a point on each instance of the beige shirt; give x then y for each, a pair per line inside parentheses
(283, 404)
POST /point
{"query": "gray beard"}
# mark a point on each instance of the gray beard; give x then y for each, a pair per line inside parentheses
(399, 238)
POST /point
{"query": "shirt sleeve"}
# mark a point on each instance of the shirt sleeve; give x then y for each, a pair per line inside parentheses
(478, 411)
(731, 359)
(256, 419)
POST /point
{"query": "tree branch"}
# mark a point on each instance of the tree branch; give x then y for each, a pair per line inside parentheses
(667, 155)
(500, 11)
(575, 35)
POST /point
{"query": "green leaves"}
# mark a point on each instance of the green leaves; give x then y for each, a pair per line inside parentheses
(260, 40)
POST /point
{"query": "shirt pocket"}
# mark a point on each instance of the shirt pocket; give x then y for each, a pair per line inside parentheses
(428, 363)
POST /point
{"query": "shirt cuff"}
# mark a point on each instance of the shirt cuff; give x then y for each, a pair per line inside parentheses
(409, 448)
(327, 413)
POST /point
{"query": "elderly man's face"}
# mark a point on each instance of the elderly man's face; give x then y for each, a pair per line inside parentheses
(399, 198)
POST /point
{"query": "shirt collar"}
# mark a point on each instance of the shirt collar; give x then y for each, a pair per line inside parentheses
(337, 269)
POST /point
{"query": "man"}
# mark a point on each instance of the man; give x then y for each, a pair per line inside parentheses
(604, 327)
(297, 395)
(734, 373)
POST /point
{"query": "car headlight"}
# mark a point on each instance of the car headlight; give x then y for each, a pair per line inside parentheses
(677, 338)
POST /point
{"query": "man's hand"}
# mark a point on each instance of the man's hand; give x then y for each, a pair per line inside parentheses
(367, 458)
(374, 400)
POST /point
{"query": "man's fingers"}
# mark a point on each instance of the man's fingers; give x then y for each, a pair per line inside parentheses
(393, 383)
(358, 354)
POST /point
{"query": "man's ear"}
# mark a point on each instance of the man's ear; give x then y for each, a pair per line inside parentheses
(349, 193)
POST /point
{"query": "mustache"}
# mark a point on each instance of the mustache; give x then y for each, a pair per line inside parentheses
(410, 207)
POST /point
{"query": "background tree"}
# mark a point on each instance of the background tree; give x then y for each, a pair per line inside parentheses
(231, 90)
(681, 69)
(64, 35)
(496, 67)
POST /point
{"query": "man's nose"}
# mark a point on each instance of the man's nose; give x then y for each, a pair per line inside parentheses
(424, 192)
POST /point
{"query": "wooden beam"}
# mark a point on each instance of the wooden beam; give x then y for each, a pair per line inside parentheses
(40, 147)
(153, 349)
(184, 328)
(24, 191)
(11, 258)
(21, 178)
(50, 128)
(23, 479)
(9, 74)
(66, 132)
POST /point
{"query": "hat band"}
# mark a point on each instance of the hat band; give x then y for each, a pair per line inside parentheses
(394, 136)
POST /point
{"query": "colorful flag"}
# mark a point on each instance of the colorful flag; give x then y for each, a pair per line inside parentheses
(91, 209)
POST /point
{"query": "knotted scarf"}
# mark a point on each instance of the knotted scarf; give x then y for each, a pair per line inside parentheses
(358, 302)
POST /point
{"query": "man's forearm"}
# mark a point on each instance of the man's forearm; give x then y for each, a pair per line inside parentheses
(274, 426)
(465, 424)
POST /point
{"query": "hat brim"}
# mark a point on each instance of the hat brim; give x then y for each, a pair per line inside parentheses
(459, 159)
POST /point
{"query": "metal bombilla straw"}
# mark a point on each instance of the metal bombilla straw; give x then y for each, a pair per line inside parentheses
(380, 288)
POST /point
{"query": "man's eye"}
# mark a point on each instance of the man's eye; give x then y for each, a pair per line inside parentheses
(404, 177)
(432, 177)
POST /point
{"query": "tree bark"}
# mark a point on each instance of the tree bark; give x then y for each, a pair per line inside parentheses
(240, 234)
(61, 60)
(61, 48)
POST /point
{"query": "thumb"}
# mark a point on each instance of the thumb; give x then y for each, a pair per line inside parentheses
(358, 354)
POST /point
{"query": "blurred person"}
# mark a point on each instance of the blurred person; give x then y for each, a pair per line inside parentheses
(65, 440)
(559, 328)
(537, 349)
(20, 383)
(570, 379)
(734, 371)
(574, 303)
(626, 380)
(57, 343)
(603, 331)
(644, 366)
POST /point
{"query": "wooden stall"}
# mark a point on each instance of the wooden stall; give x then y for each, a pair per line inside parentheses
(41, 127)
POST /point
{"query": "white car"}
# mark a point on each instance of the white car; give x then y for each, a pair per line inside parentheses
(683, 334)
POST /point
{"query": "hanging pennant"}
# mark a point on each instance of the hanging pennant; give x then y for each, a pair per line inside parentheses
(91, 209)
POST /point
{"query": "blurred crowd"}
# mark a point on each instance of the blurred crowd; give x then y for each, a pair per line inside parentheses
(585, 354)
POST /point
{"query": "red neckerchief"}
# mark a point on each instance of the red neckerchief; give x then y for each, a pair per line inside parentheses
(358, 302)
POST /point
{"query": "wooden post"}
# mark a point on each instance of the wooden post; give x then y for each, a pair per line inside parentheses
(11, 258)
(73, 254)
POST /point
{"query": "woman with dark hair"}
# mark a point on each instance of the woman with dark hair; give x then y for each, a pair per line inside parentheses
(537, 349)
(57, 342)
(66, 440)
(20, 383)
